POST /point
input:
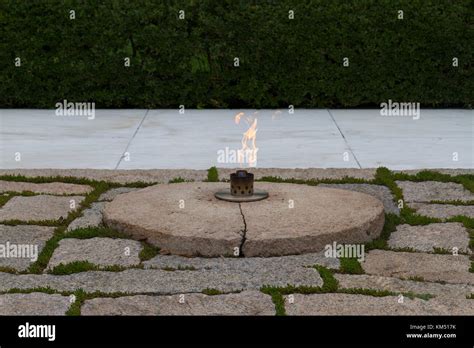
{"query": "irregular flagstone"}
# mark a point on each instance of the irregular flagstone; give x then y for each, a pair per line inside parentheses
(427, 191)
(98, 251)
(351, 304)
(425, 238)
(91, 217)
(35, 303)
(37, 208)
(243, 263)
(112, 193)
(378, 191)
(244, 303)
(163, 282)
(443, 211)
(53, 188)
(430, 267)
(365, 281)
(30, 239)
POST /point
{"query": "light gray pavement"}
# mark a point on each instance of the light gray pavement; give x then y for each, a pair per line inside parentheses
(166, 139)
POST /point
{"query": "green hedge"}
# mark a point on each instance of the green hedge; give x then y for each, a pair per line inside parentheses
(190, 61)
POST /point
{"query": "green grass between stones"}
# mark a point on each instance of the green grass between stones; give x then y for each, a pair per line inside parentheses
(315, 182)
(442, 251)
(277, 299)
(72, 180)
(83, 266)
(390, 225)
(11, 270)
(416, 278)
(4, 198)
(180, 268)
(350, 266)
(92, 232)
(330, 283)
(212, 292)
(148, 252)
(454, 202)
(178, 180)
(46, 290)
(49, 223)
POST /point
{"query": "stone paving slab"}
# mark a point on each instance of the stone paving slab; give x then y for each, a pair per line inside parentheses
(91, 217)
(48, 141)
(244, 303)
(249, 264)
(350, 304)
(165, 175)
(33, 238)
(378, 191)
(163, 282)
(201, 134)
(403, 143)
(443, 211)
(112, 193)
(425, 238)
(431, 267)
(427, 191)
(53, 188)
(35, 303)
(365, 281)
(38, 208)
(98, 251)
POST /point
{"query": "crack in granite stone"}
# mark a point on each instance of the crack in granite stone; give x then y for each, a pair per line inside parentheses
(244, 233)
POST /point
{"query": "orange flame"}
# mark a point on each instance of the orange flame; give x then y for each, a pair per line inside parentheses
(248, 152)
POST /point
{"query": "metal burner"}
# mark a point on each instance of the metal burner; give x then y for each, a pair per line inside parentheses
(241, 189)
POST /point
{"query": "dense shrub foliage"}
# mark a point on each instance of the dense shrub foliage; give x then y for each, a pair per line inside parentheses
(282, 61)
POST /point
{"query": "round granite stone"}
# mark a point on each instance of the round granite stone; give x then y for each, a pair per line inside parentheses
(187, 219)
